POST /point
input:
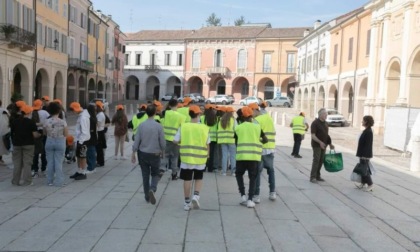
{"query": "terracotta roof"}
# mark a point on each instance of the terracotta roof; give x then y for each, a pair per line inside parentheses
(296, 32)
(226, 32)
(158, 35)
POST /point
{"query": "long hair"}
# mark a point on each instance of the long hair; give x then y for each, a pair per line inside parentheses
(118, 117)
(210, 118)
(225, 120)
(92, 112)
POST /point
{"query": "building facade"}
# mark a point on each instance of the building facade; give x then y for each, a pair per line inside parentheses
(119, 56)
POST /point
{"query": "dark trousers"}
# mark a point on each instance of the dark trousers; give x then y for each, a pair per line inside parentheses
(35, 161)
(100, 156)
(149, 164)
(252, 168)
(318, 160)
(91, 157)
(296, 146)
(210, 160)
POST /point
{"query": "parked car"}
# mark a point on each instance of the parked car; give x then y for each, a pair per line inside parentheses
(169, 96)
(103, 100)
(193, 97)
(217, 99)
(279, 101)
(200, 97)
(334, 118)
(231, 99)
(249, 100)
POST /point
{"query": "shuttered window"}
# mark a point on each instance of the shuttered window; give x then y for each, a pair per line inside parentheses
(242, 59)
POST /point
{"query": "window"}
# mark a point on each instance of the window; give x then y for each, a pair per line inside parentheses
(322, 58)
(196, 60)
(153, 58)
(303, 68)
(291, 57)
(82, 20)
(335, 54)
(350, 57)
(267, 63)
(167, 59)
(138, 59)
(368, 43)
(218, 58)
(127, 57)
(63, 43)
(309, 64)
(40, 33)
(245, 89)
(315, 64)
(242, 60)
(180, 58)
(65, 10)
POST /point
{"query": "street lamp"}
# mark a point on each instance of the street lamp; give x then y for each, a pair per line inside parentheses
(55, 45)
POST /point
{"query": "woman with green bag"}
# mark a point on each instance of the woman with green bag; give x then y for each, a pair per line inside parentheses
(364, 152)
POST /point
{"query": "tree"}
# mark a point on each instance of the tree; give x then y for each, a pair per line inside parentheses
(213, 20)
(240, 21)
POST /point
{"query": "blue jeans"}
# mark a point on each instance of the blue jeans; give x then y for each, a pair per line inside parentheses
(228, 149)
(91, 157)
(149, 164)
(267, 162)
(54, 150)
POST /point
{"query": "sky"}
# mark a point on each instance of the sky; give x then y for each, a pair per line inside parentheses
(136, 15)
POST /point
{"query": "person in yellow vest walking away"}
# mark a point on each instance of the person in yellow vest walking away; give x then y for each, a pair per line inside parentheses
(226, 138)
(138, 119)
(249, 141)
(194, 140)
(299, 127)
(171, 123)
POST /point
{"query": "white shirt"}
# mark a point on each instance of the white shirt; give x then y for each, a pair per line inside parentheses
(101, 121)
(83, 127)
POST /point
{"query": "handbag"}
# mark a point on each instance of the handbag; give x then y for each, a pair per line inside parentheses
(333, 162)
(356, 177)
(362, 168)
(7, 141)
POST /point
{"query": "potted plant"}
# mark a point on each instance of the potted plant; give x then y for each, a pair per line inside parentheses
(7, 30)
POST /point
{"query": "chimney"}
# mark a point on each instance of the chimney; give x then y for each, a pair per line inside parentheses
(306, 33)
(317, 24)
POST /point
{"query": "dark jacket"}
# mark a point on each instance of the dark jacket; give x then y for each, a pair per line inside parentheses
(139, 115)
(364, 148)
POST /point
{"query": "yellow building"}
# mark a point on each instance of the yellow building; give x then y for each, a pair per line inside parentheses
(51, 57)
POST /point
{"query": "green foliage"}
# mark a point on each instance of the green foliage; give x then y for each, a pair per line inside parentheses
(213, 20)
(240, 21)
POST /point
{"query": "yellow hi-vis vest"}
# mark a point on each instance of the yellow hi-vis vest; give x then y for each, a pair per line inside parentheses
(194, 143)
(267, 126)
(212, 129)
(226, 136)
(157, 118)
(186, 112)
(136, 122)
(249, 147)
(298, 125)
(171, 124)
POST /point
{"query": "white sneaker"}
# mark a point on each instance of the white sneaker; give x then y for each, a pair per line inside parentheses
(250, 204)
(90, 172)
(195, 202)
(272, 196)
(369, 188)
(123, 158)
(256, 199)
(243, 200)
(187, 206)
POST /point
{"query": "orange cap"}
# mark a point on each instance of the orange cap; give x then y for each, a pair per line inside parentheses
(120, 107)
(69, 140)
(247, 112)
(229, 110)
(253, 106)
(302, 114)
(100, 104)
(196, 109)
(157, 103)
(75, 106)
(37, 104)
(45, 98)
(209, 106)
(26, 109)
(142, 106)
(187, 100)
(221, 108)
(57, 101)
(263, 104)
(20, 104)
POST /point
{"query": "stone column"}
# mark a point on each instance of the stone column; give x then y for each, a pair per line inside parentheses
(371, 86)
(402, 98)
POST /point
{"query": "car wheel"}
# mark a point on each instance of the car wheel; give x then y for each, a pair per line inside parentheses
(286, 105)
(208, 102)
(242, 104)
(224, 102)
(269, 104)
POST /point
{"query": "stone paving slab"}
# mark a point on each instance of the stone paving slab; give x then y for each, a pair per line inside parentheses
(107, 212)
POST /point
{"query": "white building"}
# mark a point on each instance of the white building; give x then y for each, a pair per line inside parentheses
(154, 63)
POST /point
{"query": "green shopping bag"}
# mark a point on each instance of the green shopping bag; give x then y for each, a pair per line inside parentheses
(333, 162)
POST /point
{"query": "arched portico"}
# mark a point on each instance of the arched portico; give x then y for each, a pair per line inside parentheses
(240, 88)
(58, 86)
(305, 101)
(298, 99)
(359, 102)
(195, 85)
(393, 82)
(101, 90)
(347, 101)
(108, 92)
(413, 81)
(91, 90)
(173, 85)
(312, 100)
(71, 89)
(42, 83)
(266, 89)
(333, 97)
(132, 88)
(321, 99)
(21, 83)
(152, 88)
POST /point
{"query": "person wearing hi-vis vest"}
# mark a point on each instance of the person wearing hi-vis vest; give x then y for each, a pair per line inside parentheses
(184, 110)
(173, 120)
(249, 140)
(299, 127)
(194, 140)
(226, 138)
(138, 119)
(267, 158)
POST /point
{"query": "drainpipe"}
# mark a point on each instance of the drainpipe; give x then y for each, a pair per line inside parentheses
(356, 66)
(97, 73)
(34, 3)
(340, 65)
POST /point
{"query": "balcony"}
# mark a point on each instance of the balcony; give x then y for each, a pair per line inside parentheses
(223, 71)
(17, 37)
(152, 68)
(78, 64)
